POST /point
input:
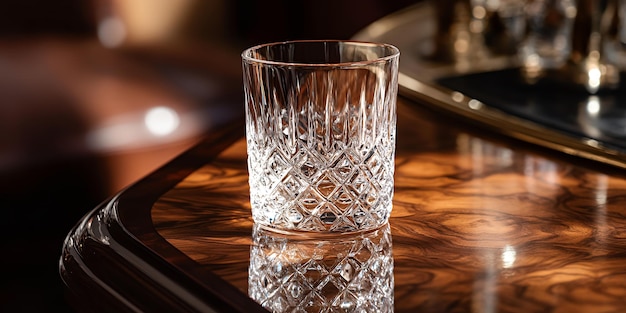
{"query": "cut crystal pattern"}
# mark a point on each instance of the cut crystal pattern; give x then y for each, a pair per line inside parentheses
(306, 274)
(321, 143)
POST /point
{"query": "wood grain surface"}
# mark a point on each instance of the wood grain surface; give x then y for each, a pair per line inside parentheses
(479, 224)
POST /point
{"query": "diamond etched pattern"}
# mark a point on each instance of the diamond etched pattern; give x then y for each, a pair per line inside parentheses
(349, 274)
(321, 145)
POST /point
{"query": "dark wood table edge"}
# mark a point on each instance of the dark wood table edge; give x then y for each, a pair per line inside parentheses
(109, 261)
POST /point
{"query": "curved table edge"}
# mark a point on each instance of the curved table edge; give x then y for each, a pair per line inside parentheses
(114, 259)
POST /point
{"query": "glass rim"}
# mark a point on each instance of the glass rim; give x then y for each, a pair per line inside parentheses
(395, 53)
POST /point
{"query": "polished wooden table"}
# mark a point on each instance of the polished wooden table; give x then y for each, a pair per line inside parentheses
(481, 223)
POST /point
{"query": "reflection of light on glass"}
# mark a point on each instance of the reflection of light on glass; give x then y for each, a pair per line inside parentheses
(537, 167)
(601, 196)
(479, 12)
(508, 256)
(111, 32)
(475, 104)
(593, 105)
(483, 297)
(533, 66)
(561, 42)
(592, 142)
(600, 191)
(492, 5)
(483, 153)
(570, 11)
(462, 43)
(457, 96)
(594, 75)
(533, 61)
(476, 26)
(161, 121)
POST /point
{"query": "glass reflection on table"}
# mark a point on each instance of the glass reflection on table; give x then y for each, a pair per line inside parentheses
(334, 273)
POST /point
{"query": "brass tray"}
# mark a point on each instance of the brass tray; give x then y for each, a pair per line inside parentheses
(487, 88)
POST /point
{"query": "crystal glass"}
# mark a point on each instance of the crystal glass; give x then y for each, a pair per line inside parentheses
(548, 43)
(342, 273)
(615, 43)
(498, 24)
(321, 134)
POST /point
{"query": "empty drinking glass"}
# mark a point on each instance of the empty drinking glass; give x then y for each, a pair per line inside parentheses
(548, 43)
(321, 134)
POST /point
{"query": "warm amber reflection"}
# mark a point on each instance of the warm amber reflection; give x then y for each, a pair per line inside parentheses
(477, 226)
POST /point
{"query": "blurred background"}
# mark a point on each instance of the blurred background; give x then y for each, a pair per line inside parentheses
(96, 94)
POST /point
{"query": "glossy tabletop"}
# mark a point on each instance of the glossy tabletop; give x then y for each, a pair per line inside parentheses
(480, 223)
